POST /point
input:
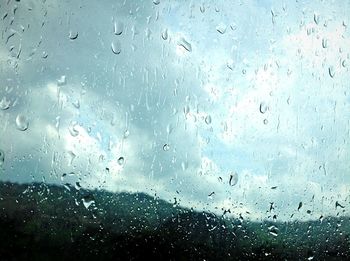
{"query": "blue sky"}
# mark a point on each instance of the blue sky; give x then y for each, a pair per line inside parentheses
(293, 58)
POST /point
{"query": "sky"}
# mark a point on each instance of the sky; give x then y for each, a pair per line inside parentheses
(219, 106)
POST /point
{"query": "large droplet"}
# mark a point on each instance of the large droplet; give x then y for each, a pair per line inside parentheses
(263, 107)
(116, 47)
(118, 28)
(22, 122)
(121, 161)
(233, 178)
(2, 157)
(185, 44)
(88, 201)
(4, 103)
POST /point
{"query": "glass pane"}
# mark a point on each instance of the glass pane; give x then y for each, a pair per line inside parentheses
(175, 129)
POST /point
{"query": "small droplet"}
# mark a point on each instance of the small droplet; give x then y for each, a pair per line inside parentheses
(121, 161)
(116, 47)
(221, 28)
(263, 107)
(165, 34)
(208, 119)
(22, 122)
(71, 157)
(118, 28)
(4, 103)
(331, 71)
(2, 157)
(156, 2)
(202, 8)
(324, 43)
(44, 55)
(230, 64)
(233, 178)
(76, 104)
(300, 205)
(62, 81)
(310, 258)
(265, 121)
(185, 44)
(126, 134)
(88, 201)
(166, 147)
(73, 129)
(73, 35)
(316, 18)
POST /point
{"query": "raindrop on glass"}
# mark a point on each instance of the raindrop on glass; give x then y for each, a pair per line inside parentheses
(121, 161)
(116, 47)
(166, 147)
(331, 71)
(221, 28)
(2, 157)
(185, 44)
(233, 178)
(62, 81)
(208, 119)
(118, 28)
(265, 121)
(88, 201)
(156, 2)
(165, 34)
(73, 129)
(4, 104)
(263, 107)
(324, 43)
(22, 122)
(77, 186)
(73, 35)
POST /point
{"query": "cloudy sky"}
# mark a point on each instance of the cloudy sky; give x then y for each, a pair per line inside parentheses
(233, 106)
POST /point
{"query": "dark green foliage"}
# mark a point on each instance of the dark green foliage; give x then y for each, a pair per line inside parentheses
(47, 222)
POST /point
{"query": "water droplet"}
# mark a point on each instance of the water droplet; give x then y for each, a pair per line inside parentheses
(221, 28)
(233, 178)
(118, 28)
(316, 18)
(76, 104)
(62, 81)
(73, 129)
(44, 55)
(88, 200)
(64, 175)
(230, 64)
(265, 121)
(126, 134)
(165, 34)
(4, 103)
(310, 258)
(273, 231)
(202, 8)
(185, 44)
(156, 2)
(2, 157)
(73, 35)
(208, 119)
(121, 161)
(71, 157)
(331, 71)
(324, 43)
(77, 186)
(300, 205)
(116, 47)
(263, 107)
(166, 147)
(22, 122)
